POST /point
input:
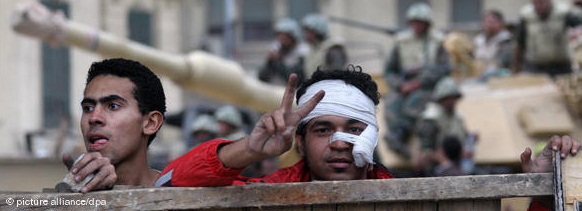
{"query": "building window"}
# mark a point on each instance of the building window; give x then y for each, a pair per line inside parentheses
(299, 8)
(466, 11)
(257, 18)
(56, 92)
(140, 27)
(215, 17)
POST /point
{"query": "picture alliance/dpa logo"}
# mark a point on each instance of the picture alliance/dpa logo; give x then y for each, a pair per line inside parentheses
(58, 201)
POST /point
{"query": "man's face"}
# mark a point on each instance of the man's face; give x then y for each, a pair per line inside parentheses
(419, 27)
(491, 24)
(449, 103)
(225, 128)
(330, 161)
(111, 122)
(310, 35)
(542, 7)
(287, 41)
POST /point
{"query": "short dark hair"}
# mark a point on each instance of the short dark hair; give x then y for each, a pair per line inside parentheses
(148, 90)
(352, 75)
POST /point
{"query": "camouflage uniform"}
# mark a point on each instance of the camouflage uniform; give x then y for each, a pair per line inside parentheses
(544, 42)
(494, 54)
(326, 52)
(277, 71)
(436, 123)
(413, 58)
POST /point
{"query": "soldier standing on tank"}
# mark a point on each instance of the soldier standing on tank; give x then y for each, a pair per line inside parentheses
(494, 46)
(418, 60)
(325, 52)
(286, 55)
(440, 120)
(542, 40)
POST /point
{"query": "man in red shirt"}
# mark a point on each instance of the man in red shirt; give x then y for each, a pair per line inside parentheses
(335, 135)
(334, 126)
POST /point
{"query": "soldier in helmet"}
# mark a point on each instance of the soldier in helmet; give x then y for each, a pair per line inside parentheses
(325, 52)
(418, 60)
(542, 41)
(287, 54)
(204, 128)
(438, 121)
(230, 123)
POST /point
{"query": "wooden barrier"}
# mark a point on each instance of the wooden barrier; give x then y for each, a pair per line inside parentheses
(571, 176)
(434, 193)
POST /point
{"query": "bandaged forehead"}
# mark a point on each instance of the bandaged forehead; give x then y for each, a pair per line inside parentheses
(345, 100)
(340, 99)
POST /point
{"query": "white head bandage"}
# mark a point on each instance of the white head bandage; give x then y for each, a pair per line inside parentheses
(345, 100)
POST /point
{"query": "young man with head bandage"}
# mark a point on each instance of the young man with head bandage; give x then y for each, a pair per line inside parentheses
(334, 125)
(336, 132)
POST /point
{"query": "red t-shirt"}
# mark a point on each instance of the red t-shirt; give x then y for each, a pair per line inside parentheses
(200, 167)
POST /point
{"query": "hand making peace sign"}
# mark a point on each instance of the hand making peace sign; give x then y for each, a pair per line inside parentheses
(273, 133)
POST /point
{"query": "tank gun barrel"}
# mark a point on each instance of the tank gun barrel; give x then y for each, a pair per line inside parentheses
(364, 25)
(202, 72)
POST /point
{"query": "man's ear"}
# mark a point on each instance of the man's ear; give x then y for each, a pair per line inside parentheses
(300, 141)
(152, 122)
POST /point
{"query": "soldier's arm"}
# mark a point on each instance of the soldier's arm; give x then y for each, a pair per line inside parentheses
(298, 70)
(505, 54)
(284, 71)
(427, 132)
(519, 46)
(442, 67)
(266, 72)
(392, 70)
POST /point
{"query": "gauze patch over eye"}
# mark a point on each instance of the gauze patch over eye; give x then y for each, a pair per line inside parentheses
(342, 99)
(363, 150)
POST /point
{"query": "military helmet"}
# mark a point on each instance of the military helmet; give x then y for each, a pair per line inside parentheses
(289, 26)
(316, 22)
(446, 87)
(204, 122)
(229, 114)
(419, 11)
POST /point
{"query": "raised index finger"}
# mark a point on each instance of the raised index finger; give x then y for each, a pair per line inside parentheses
(289, 94)
(310, 104)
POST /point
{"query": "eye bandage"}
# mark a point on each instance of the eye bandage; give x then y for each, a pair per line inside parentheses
(345, 100)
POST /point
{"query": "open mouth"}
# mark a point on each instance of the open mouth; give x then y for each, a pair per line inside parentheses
(97, 142)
